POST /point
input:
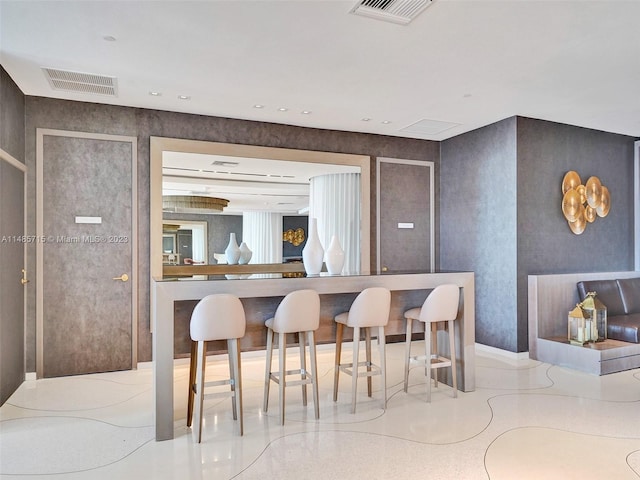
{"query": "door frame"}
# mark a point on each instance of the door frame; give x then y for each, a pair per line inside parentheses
(636, 208)
(432, 207)
(12, 161)
(40, 134)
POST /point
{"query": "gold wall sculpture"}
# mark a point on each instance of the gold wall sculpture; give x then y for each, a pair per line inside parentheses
(581, 204)
(296, 237)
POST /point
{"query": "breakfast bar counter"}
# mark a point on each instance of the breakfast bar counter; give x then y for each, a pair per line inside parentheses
(408, 289)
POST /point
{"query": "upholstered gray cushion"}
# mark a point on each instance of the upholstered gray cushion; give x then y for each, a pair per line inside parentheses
(608, 293)
(630, 292)
(624, 328)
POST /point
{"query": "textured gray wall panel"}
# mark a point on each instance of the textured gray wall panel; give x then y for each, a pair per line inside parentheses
(12, 115)
(87, 117)
(546, 245)
(86, 314)
(478, 224)
(405, 198)
(11, 291)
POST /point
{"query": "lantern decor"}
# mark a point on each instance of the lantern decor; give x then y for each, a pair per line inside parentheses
(598, 313)
(580, 331)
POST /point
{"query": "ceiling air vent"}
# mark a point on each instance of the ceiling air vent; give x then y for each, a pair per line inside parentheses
(396, 11)
(78, 82)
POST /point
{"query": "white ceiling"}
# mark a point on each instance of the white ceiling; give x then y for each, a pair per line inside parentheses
(467, 63)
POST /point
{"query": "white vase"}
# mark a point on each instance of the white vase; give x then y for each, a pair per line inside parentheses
(312, 253)
(334, 257)
(232, 252)
(245, 254)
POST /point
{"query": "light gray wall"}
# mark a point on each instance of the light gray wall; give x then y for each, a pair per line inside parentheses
(478, 203)
(77, 116)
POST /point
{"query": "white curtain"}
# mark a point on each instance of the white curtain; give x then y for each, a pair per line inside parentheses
(262, 232)
(334, 200)
(198, 243)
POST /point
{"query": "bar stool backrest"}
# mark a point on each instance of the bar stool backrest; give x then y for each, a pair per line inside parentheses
(441, 304)
(370, 308)
(298, 311)
(218, 317)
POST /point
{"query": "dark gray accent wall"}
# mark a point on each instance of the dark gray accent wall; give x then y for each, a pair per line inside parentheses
(12, 346)
(12, 117)
(293, 222)
(501, 214)
(478, 215)
(88, 117)
(546, 245)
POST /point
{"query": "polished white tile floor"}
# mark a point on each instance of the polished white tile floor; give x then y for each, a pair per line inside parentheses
(525, 420)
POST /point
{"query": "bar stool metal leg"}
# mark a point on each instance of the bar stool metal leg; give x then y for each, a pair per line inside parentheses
(314, 372)
(407, 353)
(282, 375)
(336, 374)
(452, 348)
(427, 352)
(303, 367)
(267, 374)
(234, 353)
(354, 368)
(383, 365)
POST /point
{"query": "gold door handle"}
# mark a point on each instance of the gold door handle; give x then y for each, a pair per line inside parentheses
(385, 269)
(24, 280)
(124, 277)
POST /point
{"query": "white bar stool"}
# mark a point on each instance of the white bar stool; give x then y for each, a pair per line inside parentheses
(440, 306)
(369, 310)
(299, 312)
(215, 317)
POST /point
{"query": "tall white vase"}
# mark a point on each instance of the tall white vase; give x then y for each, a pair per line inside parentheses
(334, 257)
(312, 253)
(232, 252)
(245, 254)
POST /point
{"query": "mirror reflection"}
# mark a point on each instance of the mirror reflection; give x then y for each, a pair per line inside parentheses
(264, 203)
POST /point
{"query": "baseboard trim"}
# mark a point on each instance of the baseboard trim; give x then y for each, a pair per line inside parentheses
(30, 377)
(506, 354)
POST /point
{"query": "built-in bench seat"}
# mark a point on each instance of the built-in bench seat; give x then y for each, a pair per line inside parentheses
(622, 299)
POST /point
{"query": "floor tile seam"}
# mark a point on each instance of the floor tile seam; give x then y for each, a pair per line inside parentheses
(561, 395)
(564, 430)
(84, 470)
(74, 417)
(514, 369)
(97, 378)
(110, 405)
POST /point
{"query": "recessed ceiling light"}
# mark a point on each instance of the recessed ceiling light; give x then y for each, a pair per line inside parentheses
(109, 38)
(306, 112)
(386, 122)
(184, 97)
(155, 94)
(282, 109)
(365, 119)
(258, 106)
